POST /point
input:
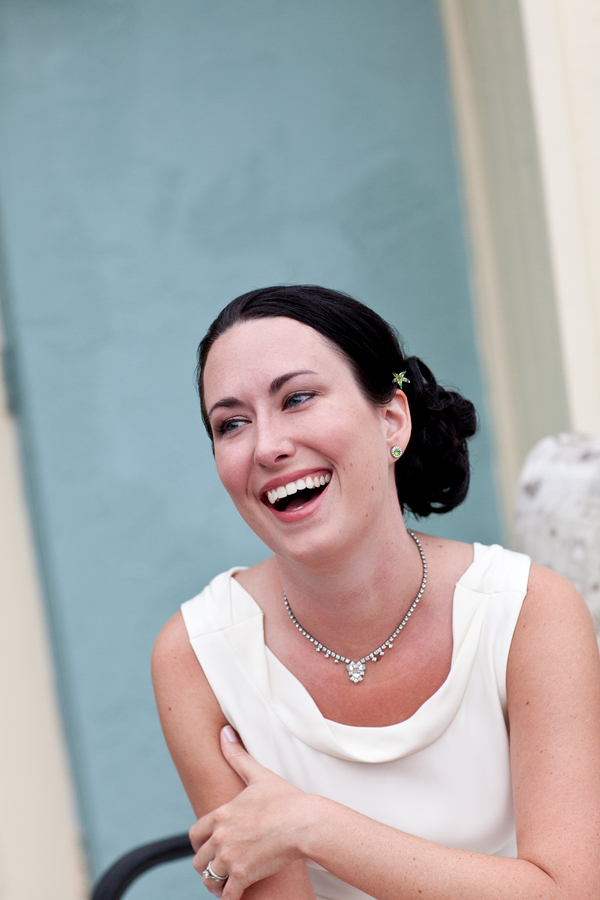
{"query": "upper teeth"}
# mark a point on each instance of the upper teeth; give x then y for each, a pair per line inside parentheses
(311, 481)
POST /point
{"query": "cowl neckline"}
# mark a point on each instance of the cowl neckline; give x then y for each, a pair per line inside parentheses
(242, 622)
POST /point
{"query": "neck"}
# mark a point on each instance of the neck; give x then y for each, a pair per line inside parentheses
(356, 598)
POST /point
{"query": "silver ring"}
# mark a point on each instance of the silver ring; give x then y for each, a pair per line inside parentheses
(208, 873)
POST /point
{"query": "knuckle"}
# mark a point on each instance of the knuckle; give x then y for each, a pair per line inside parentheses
(225, 862)
(238, 873)
(218, 815)
(219, 836)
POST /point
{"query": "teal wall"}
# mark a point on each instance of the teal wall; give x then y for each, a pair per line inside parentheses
(158, 157)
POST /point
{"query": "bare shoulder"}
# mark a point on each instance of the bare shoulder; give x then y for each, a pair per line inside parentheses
(182, 691)
(554, 632)
(553, 614)
(546, 585)
(172, 641)
(191, 719)
(553, 673)
(174, 662)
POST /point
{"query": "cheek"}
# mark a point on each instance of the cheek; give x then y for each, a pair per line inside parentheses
(357, 440)
(231, 471)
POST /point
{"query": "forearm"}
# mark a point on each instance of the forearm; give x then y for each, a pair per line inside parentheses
(272, 824)
(391, 865)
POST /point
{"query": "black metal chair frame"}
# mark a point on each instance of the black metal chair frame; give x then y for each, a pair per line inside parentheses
(115, 881)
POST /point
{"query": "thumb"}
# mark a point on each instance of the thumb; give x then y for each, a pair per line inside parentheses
(239, 760)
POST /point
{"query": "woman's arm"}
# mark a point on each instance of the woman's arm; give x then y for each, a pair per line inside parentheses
(554, 710)
(191, 720)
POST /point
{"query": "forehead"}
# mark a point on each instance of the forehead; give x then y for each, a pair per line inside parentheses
(265, 348)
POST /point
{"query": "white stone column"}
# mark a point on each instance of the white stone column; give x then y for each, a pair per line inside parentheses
(513, 291)
(562, 39)
(526, 85)
(557, 518)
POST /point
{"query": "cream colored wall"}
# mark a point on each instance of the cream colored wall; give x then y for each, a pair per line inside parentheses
(526, 80)
(562, 38)
(40, 854)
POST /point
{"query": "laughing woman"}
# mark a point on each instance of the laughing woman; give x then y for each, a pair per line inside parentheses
(419, 718)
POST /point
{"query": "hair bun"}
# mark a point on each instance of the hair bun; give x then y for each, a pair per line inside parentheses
(433, 474)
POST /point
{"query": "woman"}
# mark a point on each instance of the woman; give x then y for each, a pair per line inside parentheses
(380, 765)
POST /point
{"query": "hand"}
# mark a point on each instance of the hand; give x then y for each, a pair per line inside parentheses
(256, 834)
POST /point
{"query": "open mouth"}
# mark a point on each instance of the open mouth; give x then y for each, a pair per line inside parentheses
(297, 493)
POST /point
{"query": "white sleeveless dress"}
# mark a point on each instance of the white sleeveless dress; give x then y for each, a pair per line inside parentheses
(443, 774)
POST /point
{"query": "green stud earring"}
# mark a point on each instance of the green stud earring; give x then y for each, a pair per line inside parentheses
(396, 452)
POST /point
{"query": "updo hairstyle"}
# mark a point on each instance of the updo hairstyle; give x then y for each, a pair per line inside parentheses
(433, 473)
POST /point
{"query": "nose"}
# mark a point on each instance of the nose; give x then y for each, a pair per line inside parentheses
(273, 443)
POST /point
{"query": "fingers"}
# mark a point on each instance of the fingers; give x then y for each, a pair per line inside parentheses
(211, 877)
(205, 855)
(234, 838)
(201, 831)
(204, 863)
(233, 890)
(239, 760)
(213, 887)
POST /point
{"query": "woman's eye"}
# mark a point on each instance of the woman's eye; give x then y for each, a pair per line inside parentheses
(229, 425)
(298, 399)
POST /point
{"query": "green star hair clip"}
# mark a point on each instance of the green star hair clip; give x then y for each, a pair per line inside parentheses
(400, 378)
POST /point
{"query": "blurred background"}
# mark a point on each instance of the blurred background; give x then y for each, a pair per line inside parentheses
(440, 161)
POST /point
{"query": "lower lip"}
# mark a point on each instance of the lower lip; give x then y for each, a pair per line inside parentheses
(296, 515)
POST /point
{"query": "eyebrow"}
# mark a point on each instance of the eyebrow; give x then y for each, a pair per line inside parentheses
(279, 382)
(274, 387)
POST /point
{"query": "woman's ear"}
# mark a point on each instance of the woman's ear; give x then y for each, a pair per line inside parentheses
(397, 421)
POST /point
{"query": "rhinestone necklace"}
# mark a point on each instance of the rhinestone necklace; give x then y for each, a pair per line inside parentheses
(356, 668)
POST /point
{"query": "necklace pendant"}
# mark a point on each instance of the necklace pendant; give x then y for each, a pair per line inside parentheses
(356, 670)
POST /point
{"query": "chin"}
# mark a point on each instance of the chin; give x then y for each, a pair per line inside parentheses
(314, 549)
(313, 542)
